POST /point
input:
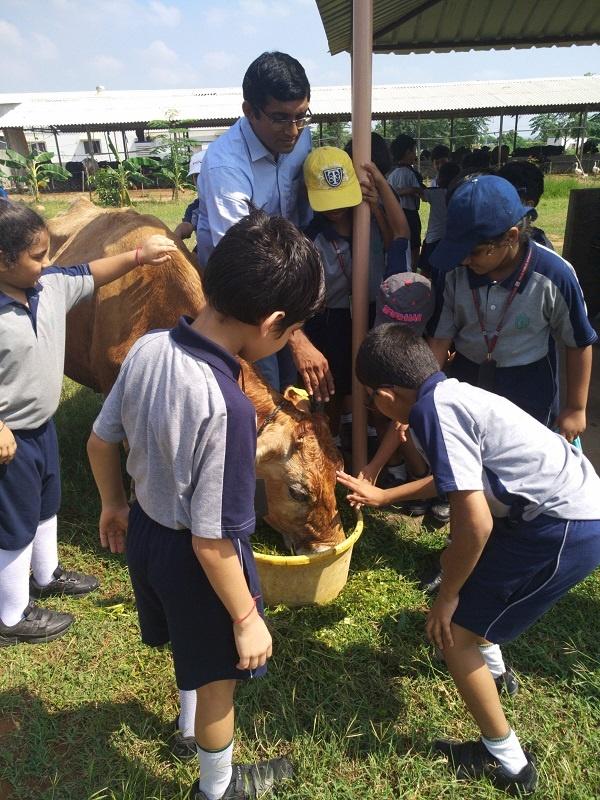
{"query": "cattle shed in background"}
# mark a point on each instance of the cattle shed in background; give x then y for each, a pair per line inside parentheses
(364, 27)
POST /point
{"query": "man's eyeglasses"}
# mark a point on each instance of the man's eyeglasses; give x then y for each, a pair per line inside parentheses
(281, 121)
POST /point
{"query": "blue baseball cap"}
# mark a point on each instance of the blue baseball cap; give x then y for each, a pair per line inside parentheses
(480, 209)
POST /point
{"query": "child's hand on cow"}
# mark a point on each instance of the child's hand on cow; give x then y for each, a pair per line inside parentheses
(362, 493)
(113, 527)
(155, 250)
(8, 445)
(253, 641)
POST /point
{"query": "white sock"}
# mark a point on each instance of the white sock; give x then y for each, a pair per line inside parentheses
(508, 751)
(492, 655)
(187, 712)
(14, 584)
(215, 771)
(44, 557)
(346, 418)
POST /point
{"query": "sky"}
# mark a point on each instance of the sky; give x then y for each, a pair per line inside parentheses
(74, 45)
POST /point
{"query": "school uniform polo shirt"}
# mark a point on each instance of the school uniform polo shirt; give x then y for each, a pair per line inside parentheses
(191, 433)
(548, 301)
(239, 171)
(474, 440)
(32, 345)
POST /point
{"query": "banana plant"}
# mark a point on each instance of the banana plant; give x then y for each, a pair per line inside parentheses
(35, 169)
(129, 172)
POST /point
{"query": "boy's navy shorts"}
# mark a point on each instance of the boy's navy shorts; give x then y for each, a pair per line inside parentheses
(29, 486)
(524, 569)
(177, 604)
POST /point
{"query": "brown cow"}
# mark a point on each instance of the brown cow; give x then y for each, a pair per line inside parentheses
(296, 455)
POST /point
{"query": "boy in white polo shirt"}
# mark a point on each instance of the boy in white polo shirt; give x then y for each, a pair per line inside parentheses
(525, 528)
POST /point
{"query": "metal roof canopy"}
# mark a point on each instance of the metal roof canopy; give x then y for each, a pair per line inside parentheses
(122, 110)
(422, 26)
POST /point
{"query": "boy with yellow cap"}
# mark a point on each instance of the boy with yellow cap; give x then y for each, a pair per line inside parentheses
(333, 191)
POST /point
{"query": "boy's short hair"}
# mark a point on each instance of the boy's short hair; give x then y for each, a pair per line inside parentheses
(19, 227)
(406, 298)
(526, 177)
(380, 152)
(480, 209)
(330, 179)
(261, 265)
(401, 144)
(447, 173)
(440, 151)
(394, 355)
(275, 75)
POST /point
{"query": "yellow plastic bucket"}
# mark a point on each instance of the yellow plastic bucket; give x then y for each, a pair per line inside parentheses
(305, 580)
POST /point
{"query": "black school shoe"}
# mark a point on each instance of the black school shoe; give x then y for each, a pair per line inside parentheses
(182, 746)
(64, 582)
(40, 625)
(507, 682)
(474, 760)
(251, 781)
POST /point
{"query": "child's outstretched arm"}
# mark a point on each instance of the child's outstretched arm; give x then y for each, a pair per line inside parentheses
(106, 467)
(394, 213)
(571, 421)
(363, 493)
(154, 251)
(221, 565)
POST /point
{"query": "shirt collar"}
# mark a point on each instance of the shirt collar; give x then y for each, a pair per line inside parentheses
(32, 293)
(256, 148)
(430, 383)
(207, 350)
(476, 281)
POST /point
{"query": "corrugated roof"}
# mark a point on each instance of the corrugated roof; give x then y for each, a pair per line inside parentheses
(421, 26)
(80, 111)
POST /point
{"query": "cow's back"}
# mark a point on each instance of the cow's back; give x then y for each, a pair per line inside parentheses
(101, 331)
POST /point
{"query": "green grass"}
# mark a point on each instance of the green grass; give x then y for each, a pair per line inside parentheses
(353, 694)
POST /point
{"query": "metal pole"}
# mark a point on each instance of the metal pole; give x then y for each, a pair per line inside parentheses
(57, 147)
(583, 129)
(384, 126)
(362, 47)
(125, 150)
(419, 142)
(451, 133)
(320, 134)
(500, 141)
(515, 133)
(578, 134)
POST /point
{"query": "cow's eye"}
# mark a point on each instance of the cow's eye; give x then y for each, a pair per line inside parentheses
(300, 495)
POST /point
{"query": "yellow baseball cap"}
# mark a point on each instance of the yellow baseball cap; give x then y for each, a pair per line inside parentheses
(330, 179)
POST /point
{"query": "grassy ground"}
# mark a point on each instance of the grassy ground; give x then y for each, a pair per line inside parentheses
(353, 695)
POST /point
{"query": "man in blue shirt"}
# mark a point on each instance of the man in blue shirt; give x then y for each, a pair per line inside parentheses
(258, 162)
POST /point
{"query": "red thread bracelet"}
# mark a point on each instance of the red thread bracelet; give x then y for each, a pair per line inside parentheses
(241, 619)
(138, 250)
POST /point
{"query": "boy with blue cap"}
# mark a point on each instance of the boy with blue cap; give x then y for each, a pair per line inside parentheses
(503, 300)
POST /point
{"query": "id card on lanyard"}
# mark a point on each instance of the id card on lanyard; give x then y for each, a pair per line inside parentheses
(486, 376)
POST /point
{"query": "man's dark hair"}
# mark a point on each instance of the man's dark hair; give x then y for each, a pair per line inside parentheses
(19, 226)
(275, 75)
(401, 144)
(393, 355)
(440, 151)
(527, 179)
(380, 152)
(264, 264)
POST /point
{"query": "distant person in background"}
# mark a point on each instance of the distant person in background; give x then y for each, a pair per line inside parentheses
(528, 180)
(187, 226)
(439, 156)
(408, 187)
(258, 162)
(436, 226)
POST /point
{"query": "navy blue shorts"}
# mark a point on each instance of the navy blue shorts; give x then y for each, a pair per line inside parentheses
(177, 604)
(524, 569)
(29, 486)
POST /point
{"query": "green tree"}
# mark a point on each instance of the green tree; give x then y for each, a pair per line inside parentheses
(34, 169)
(559, 125)
(113, 184)
(174, 148)
(332, 134)
(467, 131)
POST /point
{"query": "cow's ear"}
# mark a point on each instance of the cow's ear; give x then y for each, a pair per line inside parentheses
(299, 397)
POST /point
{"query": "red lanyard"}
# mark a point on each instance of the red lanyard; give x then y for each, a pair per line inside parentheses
(491, 343)
(340, 260)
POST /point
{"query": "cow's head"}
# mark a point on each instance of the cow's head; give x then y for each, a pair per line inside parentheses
(297, 459)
